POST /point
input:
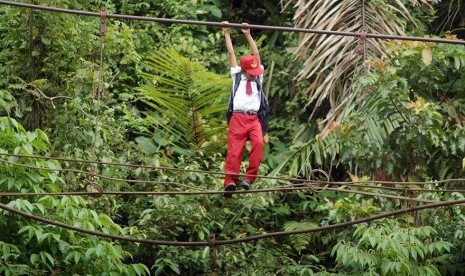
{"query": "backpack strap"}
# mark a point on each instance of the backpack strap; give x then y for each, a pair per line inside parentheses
(237, 81)
(261, 94)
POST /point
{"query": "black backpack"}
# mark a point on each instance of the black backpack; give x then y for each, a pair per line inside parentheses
(264, 111)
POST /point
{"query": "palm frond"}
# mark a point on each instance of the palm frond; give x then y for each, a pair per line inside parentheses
(330, 61)
(300, 241)
(185, 98)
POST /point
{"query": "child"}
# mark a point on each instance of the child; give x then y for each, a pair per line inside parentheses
(246, 101)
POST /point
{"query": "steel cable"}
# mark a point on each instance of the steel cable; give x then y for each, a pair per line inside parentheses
(289, 179)
(232, 241)
(234, 25)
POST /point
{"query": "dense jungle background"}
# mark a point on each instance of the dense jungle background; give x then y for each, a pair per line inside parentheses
(383, 120)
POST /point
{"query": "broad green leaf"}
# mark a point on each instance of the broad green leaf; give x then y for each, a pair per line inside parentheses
(27, 149)
(53, 177)
(31, 136)
(33, 259)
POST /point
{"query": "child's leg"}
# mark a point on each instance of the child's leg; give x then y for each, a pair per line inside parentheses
(256, 153)
(237, 136)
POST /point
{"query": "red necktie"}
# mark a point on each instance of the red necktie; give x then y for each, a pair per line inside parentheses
(248, 87)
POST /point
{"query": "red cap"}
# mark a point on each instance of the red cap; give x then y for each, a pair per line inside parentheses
(251, 65)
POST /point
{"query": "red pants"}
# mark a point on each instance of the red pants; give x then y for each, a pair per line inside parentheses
(241, 128)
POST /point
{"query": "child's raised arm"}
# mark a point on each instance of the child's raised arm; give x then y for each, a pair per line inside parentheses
(229, 46)
(253, 46)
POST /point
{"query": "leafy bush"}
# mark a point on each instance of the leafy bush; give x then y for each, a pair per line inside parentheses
(30, 247)
(387, 247)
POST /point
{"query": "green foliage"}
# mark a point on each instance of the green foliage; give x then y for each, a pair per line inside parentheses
(301, 241)
(42, 248)
(412, 104)
(14, 138)
(49, 89)
(186, 99)
(450, 222)
(190, 41)
(6, 103)
(350, 208)
(9, 263)
(387, 248)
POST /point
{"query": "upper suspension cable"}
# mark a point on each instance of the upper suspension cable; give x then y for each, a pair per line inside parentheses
(233, 25)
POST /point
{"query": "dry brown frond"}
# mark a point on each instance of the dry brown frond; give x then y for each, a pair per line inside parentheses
(330, 61)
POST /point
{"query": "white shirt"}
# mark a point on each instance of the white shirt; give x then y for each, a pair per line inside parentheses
(242, 101)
